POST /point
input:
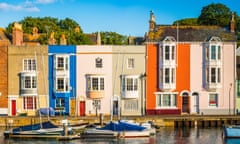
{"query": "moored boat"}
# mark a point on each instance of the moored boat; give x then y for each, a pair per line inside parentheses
(119, 129)
(231, 131)
(43, 129)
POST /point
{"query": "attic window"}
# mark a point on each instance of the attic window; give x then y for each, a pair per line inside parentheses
(99, 62)
(169, 39)
(215, 39)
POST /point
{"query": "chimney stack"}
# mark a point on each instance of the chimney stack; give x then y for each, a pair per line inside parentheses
(17, 34)
(232, 24)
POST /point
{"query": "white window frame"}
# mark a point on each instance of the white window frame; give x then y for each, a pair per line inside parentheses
(64, 65)
(171, 75)
(32, 82)
(130, 63)
(65, 84)
(214, 102)
(29, 64)
(131, 105)
(160, 99)
(61, 101)
(25, 103)
(213, 77)
(129, 83)
(95, 83)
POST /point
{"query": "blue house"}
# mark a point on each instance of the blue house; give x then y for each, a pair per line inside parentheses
(62, 78)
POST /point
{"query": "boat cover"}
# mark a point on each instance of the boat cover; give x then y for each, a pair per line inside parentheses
(122, 126)
(45, 125)
(47, 111)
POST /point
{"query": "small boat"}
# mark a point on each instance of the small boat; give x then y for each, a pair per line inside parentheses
(231, 131)
(40, 129)
(119, 129)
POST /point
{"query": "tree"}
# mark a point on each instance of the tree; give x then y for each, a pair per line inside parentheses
(113, 38)
(46, 25)
(186, 21)
(67, 26)
(215, 14)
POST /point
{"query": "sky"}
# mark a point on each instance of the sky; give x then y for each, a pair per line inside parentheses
(126, 17)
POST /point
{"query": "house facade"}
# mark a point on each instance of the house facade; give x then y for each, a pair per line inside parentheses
(27, 79)
(128, 80)
(94, 79)
(190, 69)
(62, 79)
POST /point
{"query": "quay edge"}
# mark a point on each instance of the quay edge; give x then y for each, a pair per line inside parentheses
(161, 121)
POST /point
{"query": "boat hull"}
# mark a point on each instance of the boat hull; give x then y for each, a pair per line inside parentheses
(33, 130)
(231, 132)
(93, 133)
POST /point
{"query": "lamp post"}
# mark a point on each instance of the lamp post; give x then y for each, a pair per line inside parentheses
(229, 109)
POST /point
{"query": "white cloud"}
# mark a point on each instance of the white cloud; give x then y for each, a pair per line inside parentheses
(27, 6)
(9, 7)
(45, 1)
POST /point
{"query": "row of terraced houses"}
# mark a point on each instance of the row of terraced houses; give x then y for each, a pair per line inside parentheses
(176, 70)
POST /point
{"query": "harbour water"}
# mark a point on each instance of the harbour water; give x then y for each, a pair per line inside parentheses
(166, 135)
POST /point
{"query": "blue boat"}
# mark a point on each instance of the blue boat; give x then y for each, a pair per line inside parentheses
(231, 131)
(119, 129)
(122, 126)
(44, 128)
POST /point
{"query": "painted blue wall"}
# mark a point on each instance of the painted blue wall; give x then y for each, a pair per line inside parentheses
(62, 49)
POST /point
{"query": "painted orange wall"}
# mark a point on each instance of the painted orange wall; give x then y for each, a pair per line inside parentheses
(182, 71)
(151, 71)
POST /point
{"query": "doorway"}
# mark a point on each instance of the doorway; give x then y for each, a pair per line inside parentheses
(115, 107)
(82, 108)
(13, 107)
(185, 103)
(195, 102)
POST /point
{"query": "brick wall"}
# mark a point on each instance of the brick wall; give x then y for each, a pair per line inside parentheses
(3, 75)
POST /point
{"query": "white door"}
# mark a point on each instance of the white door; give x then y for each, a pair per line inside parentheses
(195, 103)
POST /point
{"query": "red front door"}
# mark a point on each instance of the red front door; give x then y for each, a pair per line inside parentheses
(13, 103)
(82, 108)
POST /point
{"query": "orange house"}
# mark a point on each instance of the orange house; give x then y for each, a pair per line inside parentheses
(181, 80)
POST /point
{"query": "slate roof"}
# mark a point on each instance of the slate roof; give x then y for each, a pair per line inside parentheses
(190, 33)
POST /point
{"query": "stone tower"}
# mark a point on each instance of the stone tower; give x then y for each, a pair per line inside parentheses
(152, 22)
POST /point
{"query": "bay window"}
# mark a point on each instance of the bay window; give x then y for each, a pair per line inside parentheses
(166, 100)
(95, 83)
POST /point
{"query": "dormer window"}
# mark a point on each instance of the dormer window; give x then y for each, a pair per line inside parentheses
(99, 62)
(214, 49)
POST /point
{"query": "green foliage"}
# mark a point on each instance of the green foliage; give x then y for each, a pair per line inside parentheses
(113, 38)
(215, 14)
(186, 21)
(67, 26)
(46, 25)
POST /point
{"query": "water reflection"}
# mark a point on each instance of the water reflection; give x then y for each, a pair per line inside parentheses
(190, 136)
(166, 135)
